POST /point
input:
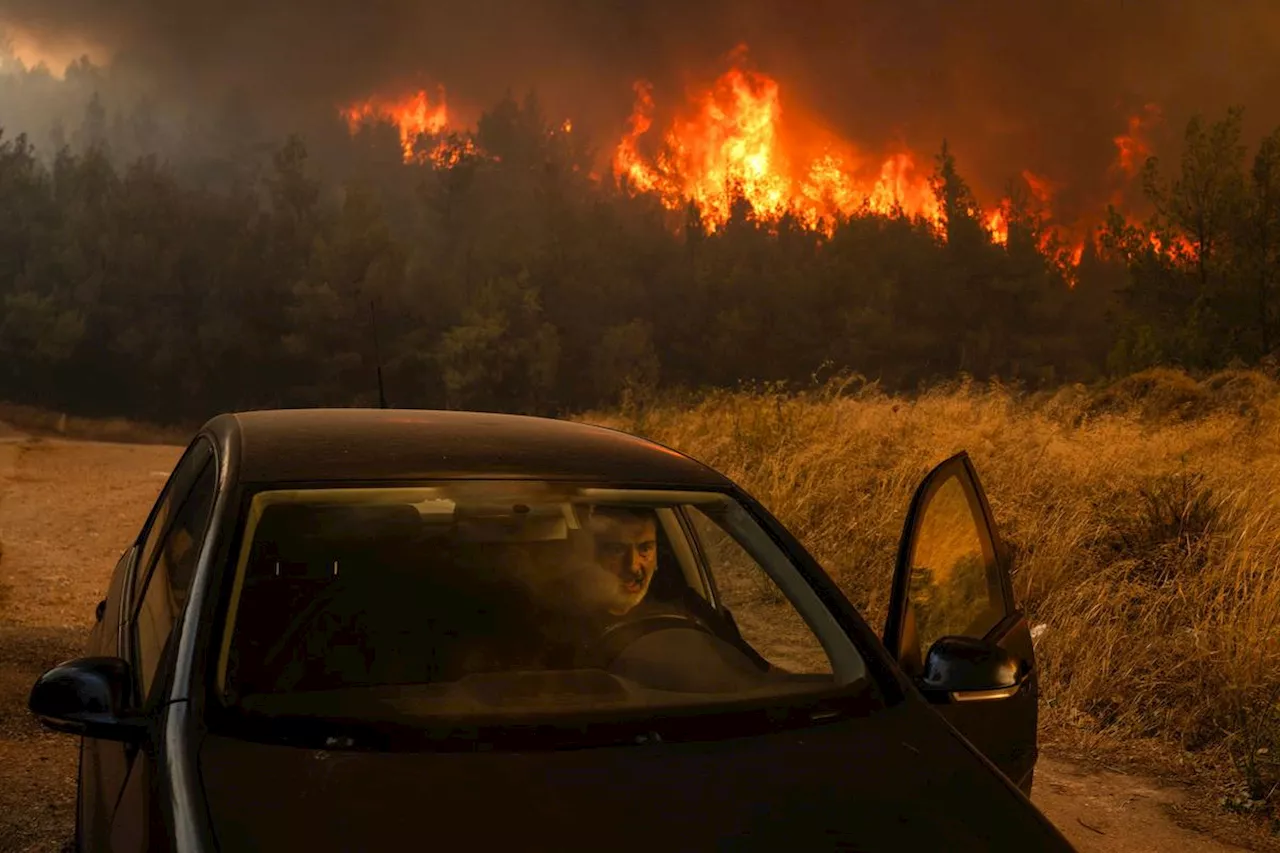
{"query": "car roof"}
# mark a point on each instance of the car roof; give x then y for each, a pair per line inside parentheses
(333, 445)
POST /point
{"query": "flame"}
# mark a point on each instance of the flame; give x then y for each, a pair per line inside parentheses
(1180, 246)
(1042, 189)
(728, 145)
(728, 149)
(627, 161)
(414, 115)
(997, 225)
(1133, 147)
(900, 187)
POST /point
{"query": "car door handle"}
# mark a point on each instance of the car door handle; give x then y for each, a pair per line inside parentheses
(100, 610)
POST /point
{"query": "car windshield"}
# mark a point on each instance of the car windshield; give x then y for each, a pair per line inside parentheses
(509, 598)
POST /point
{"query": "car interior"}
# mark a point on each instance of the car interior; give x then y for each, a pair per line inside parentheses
(341, 595)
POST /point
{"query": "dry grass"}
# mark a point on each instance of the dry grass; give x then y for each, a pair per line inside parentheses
(42, 422)
(1144, 520)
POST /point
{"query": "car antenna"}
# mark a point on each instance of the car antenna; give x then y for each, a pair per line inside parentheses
(377, 356)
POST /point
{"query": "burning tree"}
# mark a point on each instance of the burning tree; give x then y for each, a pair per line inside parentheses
(1203, 267)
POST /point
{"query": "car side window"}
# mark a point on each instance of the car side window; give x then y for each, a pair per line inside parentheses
(955, 587)
(170, 578)
(106, 630)
(179, 484)
(764, 617)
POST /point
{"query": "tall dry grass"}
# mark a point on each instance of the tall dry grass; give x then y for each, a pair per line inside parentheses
(1143, 519)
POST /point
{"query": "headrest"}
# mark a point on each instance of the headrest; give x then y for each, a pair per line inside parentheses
(300, 532)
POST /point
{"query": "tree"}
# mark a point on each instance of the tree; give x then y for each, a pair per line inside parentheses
(1260, 242)
(354, 264)
(36, 333)
(965, 288)
(1201, 289)
(961, 215)
(92, 133)
(1197, 214)
(626, 362)
(503, 355)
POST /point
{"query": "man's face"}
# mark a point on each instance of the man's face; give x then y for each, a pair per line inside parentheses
(626, 548)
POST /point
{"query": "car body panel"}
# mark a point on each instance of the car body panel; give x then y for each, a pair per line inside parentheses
(381, 445)
(861, 784)
(116, 795)
(103, 764)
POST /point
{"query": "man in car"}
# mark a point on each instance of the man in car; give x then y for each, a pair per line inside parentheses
(626, 549)
(626, 552)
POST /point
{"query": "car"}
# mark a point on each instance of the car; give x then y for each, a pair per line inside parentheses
(380, 629)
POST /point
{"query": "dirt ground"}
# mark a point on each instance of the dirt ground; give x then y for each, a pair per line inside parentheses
(67, 510)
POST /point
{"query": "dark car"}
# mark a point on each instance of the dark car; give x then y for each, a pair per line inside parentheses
(390, 630)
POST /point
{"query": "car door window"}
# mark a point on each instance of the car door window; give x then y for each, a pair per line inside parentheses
(179, 484)
(170, 577)
(106, 631)
(955, 587)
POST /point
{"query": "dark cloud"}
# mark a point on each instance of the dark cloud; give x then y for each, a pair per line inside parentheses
(1012, 83)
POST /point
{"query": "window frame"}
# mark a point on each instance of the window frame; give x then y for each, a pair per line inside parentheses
(700, 556)
(856, 664)
(200, 456)
(180, 478)
(992, 568)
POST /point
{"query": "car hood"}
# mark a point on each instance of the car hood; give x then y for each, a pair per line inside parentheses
(895, 779)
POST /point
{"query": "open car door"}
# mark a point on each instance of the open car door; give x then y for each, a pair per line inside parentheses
(953, 623)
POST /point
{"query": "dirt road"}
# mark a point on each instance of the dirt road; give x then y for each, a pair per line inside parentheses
(67, 510)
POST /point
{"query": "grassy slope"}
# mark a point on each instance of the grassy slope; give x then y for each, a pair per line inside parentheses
(1144, 520)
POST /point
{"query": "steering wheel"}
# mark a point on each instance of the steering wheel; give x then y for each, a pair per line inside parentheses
(618, 636)
(317, 607)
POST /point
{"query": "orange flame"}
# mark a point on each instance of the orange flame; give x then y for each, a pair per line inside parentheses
(899, 187)
(414, 115)
(729, 145)
(1133, 147)
(997, 226)
(1042, 189)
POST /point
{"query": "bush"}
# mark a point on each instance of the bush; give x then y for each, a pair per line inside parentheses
(1158, 394)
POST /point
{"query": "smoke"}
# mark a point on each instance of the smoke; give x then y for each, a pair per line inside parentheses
(1012, 85)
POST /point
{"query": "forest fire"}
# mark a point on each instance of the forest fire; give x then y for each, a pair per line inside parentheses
(413, 115)
(730, 145)
(1133, 146)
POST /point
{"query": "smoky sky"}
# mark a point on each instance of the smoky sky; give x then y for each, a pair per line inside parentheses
(1040, 84)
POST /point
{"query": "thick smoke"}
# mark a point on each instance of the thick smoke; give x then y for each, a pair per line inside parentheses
(1044, 85)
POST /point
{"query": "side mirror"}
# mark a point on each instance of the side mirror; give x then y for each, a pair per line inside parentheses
(88, 697)
(966, 670)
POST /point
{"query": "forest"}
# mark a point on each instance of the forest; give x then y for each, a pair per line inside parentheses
(503, 272)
